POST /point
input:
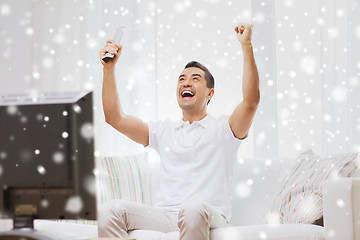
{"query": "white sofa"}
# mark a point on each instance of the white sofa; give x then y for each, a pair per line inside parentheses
(255, 184)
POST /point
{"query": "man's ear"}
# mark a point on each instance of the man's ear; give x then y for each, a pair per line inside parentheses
(211, 93)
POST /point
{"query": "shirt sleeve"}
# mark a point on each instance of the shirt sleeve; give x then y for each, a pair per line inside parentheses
(157, 129)
(153, 135)
(229, 135)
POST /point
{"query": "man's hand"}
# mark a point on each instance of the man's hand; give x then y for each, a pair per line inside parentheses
(243, 32)
(113, 48)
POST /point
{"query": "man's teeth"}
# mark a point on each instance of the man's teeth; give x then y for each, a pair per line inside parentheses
(187, 92)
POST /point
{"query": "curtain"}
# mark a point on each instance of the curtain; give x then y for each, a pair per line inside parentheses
(340, 35)
(309, 70)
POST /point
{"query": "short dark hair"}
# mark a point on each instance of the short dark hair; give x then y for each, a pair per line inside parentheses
(210, 82)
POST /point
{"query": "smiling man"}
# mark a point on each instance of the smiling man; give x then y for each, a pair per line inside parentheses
(197, 152)
(195, 84)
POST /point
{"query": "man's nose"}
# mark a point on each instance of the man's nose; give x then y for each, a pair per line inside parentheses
(187, 83)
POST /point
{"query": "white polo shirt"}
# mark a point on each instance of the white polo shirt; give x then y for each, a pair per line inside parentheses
(196, 161)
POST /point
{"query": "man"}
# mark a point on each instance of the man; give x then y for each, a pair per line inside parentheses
(197, 153)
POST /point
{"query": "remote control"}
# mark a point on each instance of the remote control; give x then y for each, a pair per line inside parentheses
(117, 39)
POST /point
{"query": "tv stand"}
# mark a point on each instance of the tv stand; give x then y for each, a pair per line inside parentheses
(23, 234)
(24, 230)
(31, 234)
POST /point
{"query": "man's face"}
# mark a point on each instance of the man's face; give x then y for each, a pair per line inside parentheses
(192, 92)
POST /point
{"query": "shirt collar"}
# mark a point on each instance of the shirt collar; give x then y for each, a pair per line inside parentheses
(205, 122)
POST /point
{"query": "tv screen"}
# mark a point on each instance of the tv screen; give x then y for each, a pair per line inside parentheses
(47, 156)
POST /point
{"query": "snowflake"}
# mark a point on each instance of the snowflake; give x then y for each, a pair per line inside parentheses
(65, 135)
(97, 153)
(179, 7)
(320, 21)
(89, 184)
(243, 190)
(327, 117)
(262, 235)
(60, 37)
(288, 3)
(308, 64)
(80, 63)
(91, 43)
(3, 155)
(5, 9)
(339, 94)
(270, 83)
(36, 75)
(292, 74)
(74, 204)
(41, 169)
(12, 110)
(284, 122)
(86, 131)
(261, 138)
(259, 18)
(201, 14)
(44, 203)
(298, 146)
(222, 63)
(58, 157)
(268, 162)
(340, 13)
(89, 86)
(48, 62)
(333, 32)
(29, 31)
(77, 108)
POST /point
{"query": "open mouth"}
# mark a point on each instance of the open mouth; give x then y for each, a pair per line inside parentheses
(187, 94)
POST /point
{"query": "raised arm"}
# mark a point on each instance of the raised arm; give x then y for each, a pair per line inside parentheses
(242, 117)
(132, 127)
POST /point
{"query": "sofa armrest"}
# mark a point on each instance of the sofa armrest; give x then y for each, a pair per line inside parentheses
(342, 208)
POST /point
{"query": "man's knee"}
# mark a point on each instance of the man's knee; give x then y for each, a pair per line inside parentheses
(112, 219)
(193, 213)
(111, 210)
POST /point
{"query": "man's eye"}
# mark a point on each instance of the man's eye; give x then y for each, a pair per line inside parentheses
(195, 78)
(181, 79)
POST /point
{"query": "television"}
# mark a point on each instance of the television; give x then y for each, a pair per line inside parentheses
(47, 157)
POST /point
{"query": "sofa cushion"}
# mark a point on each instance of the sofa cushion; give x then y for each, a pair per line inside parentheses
(300, 200)
(269, 232)
(251, 232)
(125, 178)
(153, 235)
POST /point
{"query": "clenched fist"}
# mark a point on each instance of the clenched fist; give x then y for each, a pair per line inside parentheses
(243, 32)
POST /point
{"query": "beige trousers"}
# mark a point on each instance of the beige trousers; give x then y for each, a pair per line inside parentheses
(195, 219)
